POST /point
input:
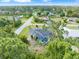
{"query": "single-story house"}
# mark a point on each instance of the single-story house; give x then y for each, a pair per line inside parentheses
(71, 32)
(72, 20)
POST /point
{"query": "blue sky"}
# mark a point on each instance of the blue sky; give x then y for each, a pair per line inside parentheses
(38, 2)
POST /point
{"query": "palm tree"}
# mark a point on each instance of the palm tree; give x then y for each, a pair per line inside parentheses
(54, 26)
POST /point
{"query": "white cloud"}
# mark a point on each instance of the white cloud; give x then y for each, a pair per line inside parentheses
(4, 0)
(47, 0)
(23, 0)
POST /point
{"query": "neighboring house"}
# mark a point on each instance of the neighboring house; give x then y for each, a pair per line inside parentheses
(18, 17)
(51, 14)
(17, 12)
(4, 12)
(72, 20)
(71, 32)
(46, 18)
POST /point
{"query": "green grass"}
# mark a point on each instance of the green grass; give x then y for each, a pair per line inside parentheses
(33, 22)
(73, 26)
(23, 19)
(27, 29)
(57, 19)
(25, 32)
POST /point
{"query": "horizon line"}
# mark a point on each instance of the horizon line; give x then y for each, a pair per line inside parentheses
(39, 5)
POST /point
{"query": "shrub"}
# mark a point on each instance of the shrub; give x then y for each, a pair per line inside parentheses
(77, 21)
(14, 48)
(38, 20)
(24, 38)
(18, 23)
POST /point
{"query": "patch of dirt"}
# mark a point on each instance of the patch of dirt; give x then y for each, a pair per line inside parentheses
(34, 46)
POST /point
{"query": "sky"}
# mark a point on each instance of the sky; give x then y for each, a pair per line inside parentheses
(39, 2)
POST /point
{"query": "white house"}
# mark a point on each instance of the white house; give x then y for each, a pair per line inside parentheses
(71, 32)
(72, 20)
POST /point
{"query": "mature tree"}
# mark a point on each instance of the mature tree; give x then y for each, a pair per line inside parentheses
(54, 26)
(14, 48)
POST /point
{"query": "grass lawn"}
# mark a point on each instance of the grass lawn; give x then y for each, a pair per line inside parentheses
(73, 26)
(25, 32)
(6, 17)
(33, 22)
(57, 19)
(27, 29)
(23, 19)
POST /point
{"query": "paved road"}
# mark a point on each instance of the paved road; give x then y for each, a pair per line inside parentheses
(27, 23)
